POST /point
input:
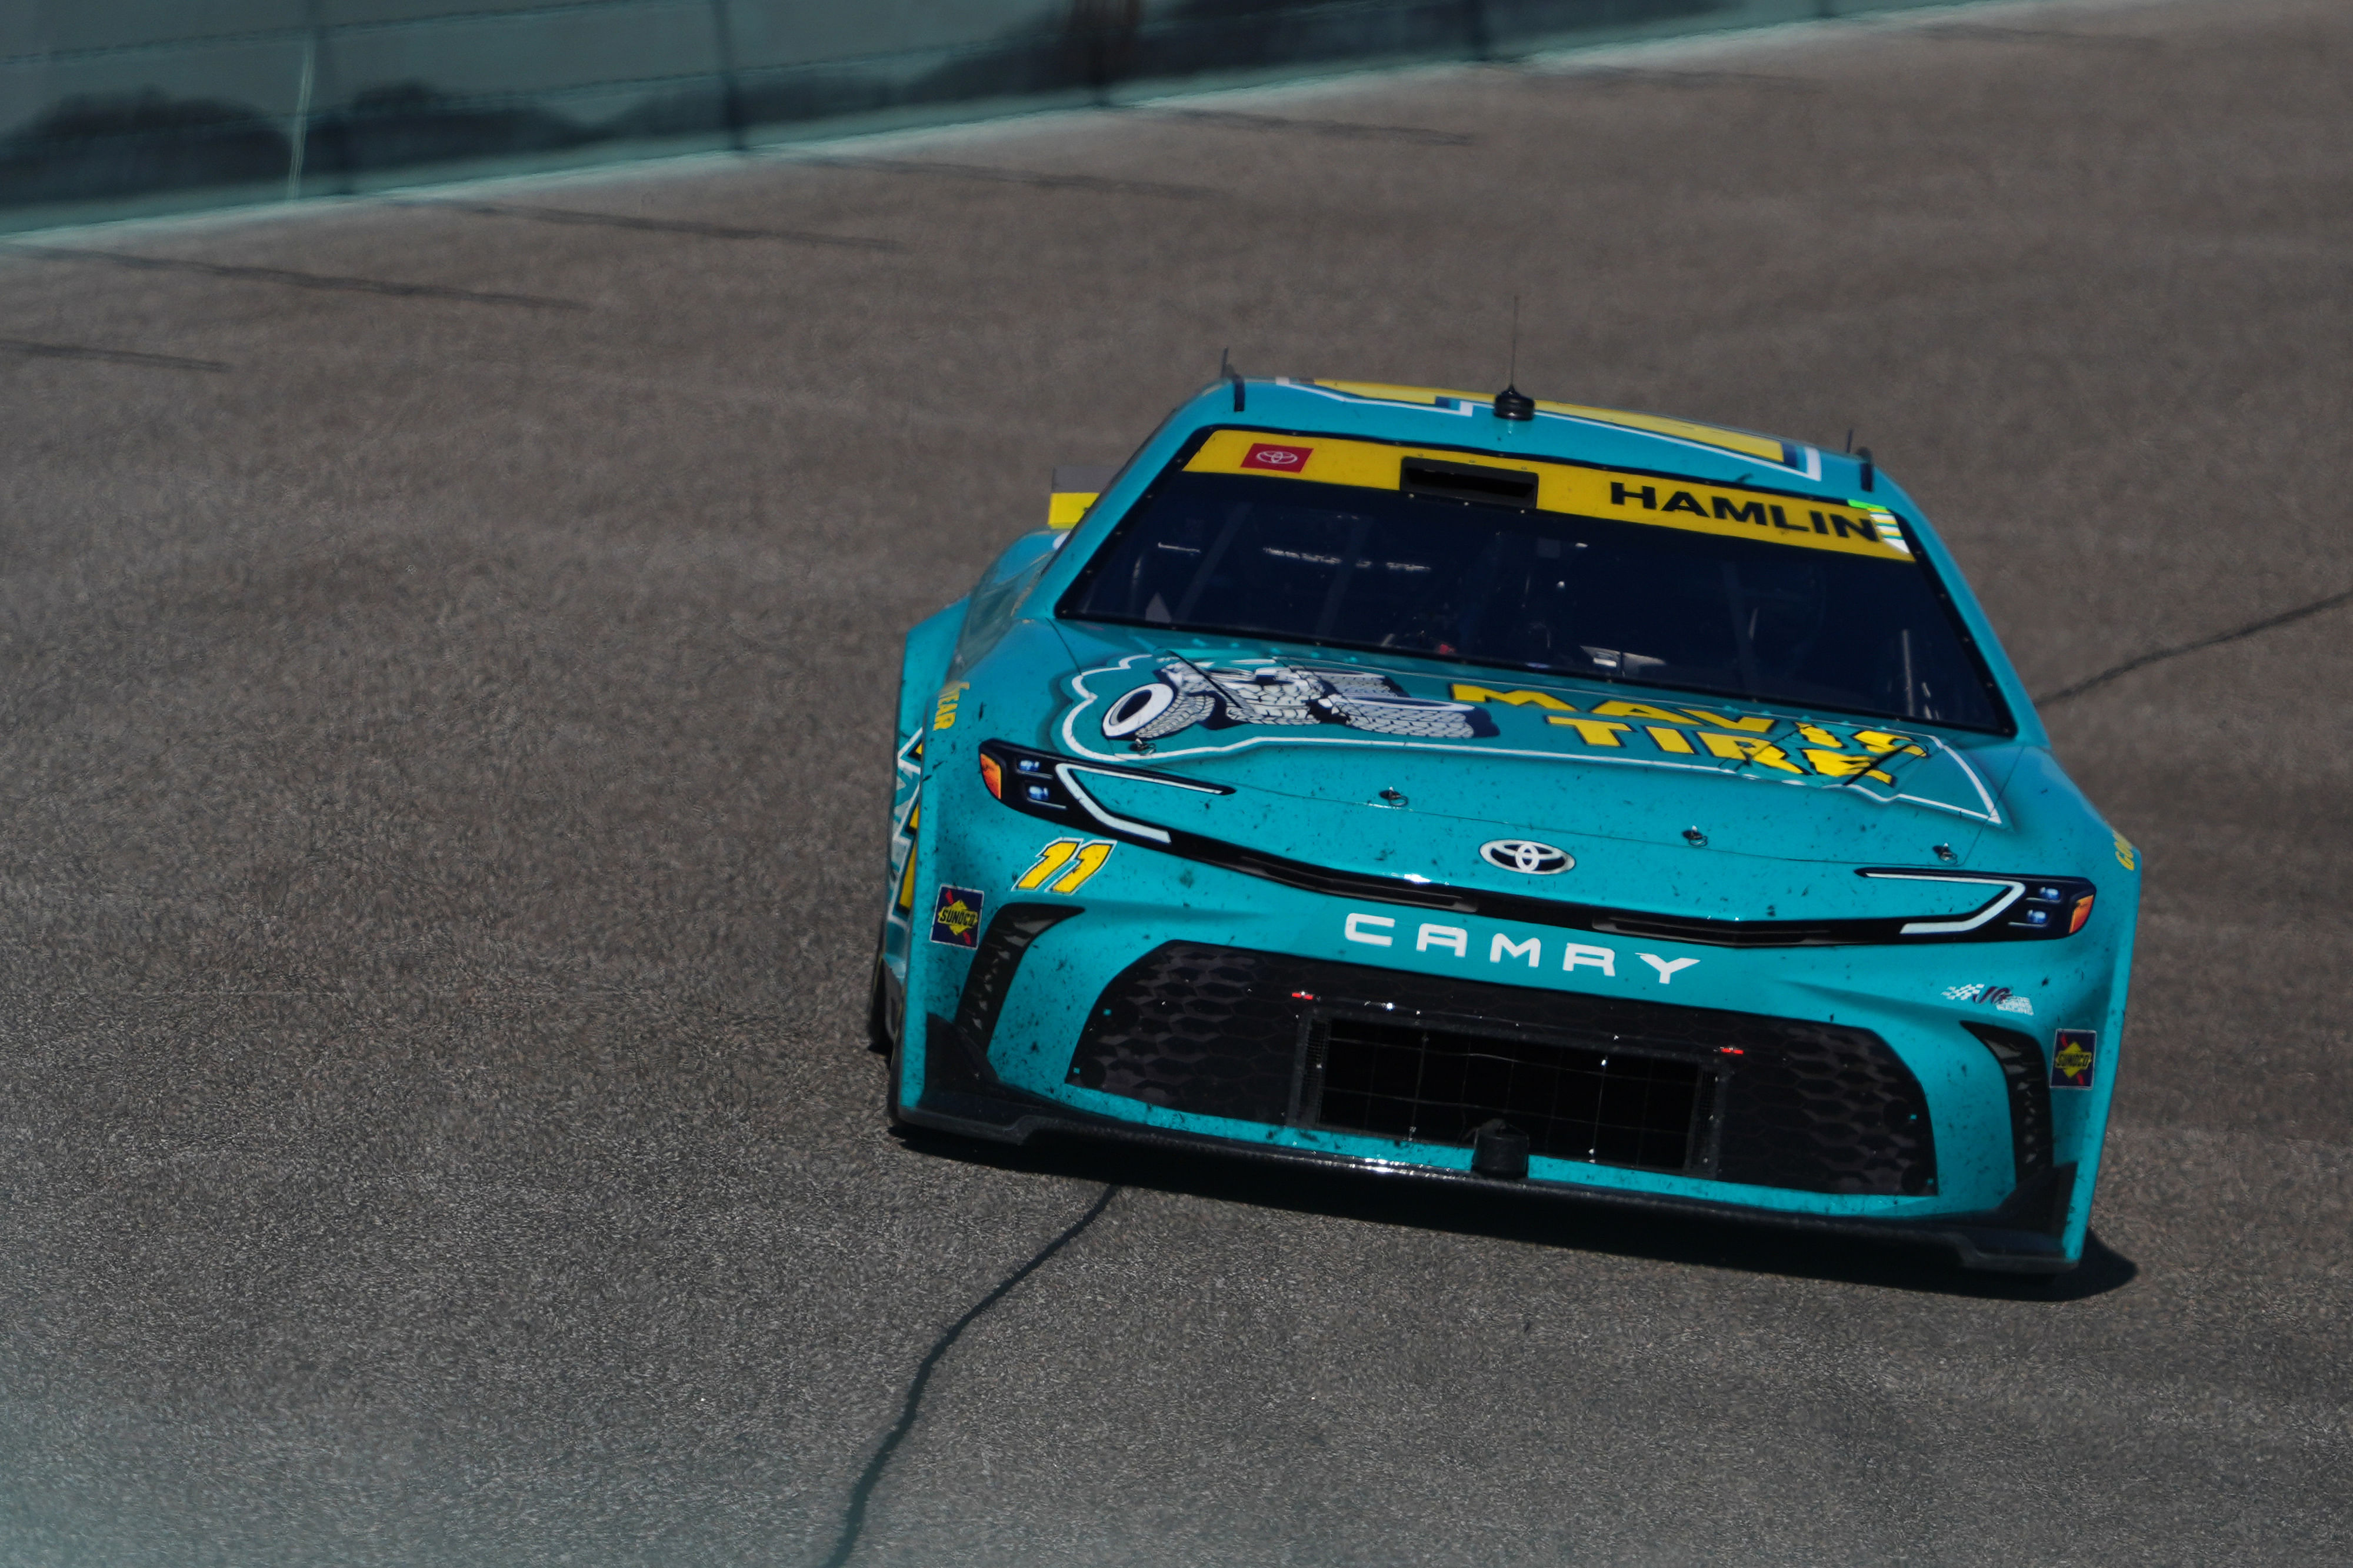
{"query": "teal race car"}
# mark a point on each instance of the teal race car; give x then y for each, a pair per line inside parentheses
(1510, 793)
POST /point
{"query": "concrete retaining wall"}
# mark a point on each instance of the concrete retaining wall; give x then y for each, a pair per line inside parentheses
(120, 106)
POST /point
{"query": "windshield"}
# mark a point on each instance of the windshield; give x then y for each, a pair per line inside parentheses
(1350, 565)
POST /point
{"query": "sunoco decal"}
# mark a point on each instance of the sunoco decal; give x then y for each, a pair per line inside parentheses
(955, 917)
(1171, 704)
(2071, 1058)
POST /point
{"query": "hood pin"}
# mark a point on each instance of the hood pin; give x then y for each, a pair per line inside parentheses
(1695, 837)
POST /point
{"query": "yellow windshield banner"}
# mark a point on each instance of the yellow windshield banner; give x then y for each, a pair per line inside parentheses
(1610, 494)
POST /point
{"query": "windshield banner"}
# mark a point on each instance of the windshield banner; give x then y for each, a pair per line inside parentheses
(1852, 528)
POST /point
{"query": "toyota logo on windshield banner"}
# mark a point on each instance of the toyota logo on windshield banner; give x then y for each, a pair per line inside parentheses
(1525, 855)
(1271, 458)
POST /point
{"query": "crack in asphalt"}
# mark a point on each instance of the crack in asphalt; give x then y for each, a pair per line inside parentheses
(1345, 130)
(33, 350)
(2316, 608)
(1006, 176)
(1981, 33)
(653, 224)
(288, 277)
(853, 1516)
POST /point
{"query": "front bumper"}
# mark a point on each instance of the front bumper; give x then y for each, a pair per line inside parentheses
(1894, 1089)
(1811, 1126)
(2014, 1240)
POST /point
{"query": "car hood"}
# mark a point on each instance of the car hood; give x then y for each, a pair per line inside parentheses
(1413, 769)
(1545, 756)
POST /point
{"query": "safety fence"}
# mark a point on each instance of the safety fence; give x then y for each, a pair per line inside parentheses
(110, 107)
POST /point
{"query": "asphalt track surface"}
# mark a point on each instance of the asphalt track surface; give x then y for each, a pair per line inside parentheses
(449, 654)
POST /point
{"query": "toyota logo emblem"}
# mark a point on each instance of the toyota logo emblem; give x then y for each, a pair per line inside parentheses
(1526, 856)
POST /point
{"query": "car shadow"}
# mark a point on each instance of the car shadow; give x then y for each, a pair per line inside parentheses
(1537, 1221)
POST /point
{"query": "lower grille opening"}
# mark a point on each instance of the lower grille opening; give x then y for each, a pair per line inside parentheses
(1792, 1103)
(1439, 1086)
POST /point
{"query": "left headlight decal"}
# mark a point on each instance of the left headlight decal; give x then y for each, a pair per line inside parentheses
(1039, 785)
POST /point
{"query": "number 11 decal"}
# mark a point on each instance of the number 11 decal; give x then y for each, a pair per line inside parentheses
(1065, 864)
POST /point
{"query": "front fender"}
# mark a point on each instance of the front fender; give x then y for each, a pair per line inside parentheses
(924, 665)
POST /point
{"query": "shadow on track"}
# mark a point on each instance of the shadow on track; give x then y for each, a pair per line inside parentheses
(1535, 1221)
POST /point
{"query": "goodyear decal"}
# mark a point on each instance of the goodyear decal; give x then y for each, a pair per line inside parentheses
(1173, 705)
(1848, 528)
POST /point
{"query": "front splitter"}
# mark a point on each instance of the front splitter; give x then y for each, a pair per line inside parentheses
(1990, 1242)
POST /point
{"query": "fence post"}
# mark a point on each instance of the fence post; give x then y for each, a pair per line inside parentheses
(731, 102)
(301, 131)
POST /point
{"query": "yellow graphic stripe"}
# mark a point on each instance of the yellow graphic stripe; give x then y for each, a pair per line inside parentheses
(1427, 396)
(907, 882)
(1739, 441)
(1064, 509)
(1613, 495)
(1742, 441)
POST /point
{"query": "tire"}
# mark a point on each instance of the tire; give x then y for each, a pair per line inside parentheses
(890, 1117)
(881, 1041)
(878, 1021)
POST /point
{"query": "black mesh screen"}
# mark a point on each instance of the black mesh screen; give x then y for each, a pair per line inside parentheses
(2026, 1077)
(1439, 1086)
(1229, 1032)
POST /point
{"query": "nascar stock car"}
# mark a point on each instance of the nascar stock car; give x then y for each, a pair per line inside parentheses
(1510, 793)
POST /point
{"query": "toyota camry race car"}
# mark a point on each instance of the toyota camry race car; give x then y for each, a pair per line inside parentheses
(1510, 793)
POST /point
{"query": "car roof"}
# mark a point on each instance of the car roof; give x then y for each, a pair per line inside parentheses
(1411, 410)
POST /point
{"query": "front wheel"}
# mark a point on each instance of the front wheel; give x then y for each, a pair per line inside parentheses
(880, 1038)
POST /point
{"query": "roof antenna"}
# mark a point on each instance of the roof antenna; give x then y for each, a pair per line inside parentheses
(1511, 403)
(1226, 372)
(1849, 437)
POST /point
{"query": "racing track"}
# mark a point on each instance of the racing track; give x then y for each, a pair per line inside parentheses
(448, 650)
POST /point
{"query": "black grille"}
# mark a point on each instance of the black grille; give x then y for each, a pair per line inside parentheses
(1825, 1109)
(1011, 932)
(955, 1051)
(1439, 1086)
(1210, 1030)
(2027, 1079)
(1227, 1032)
